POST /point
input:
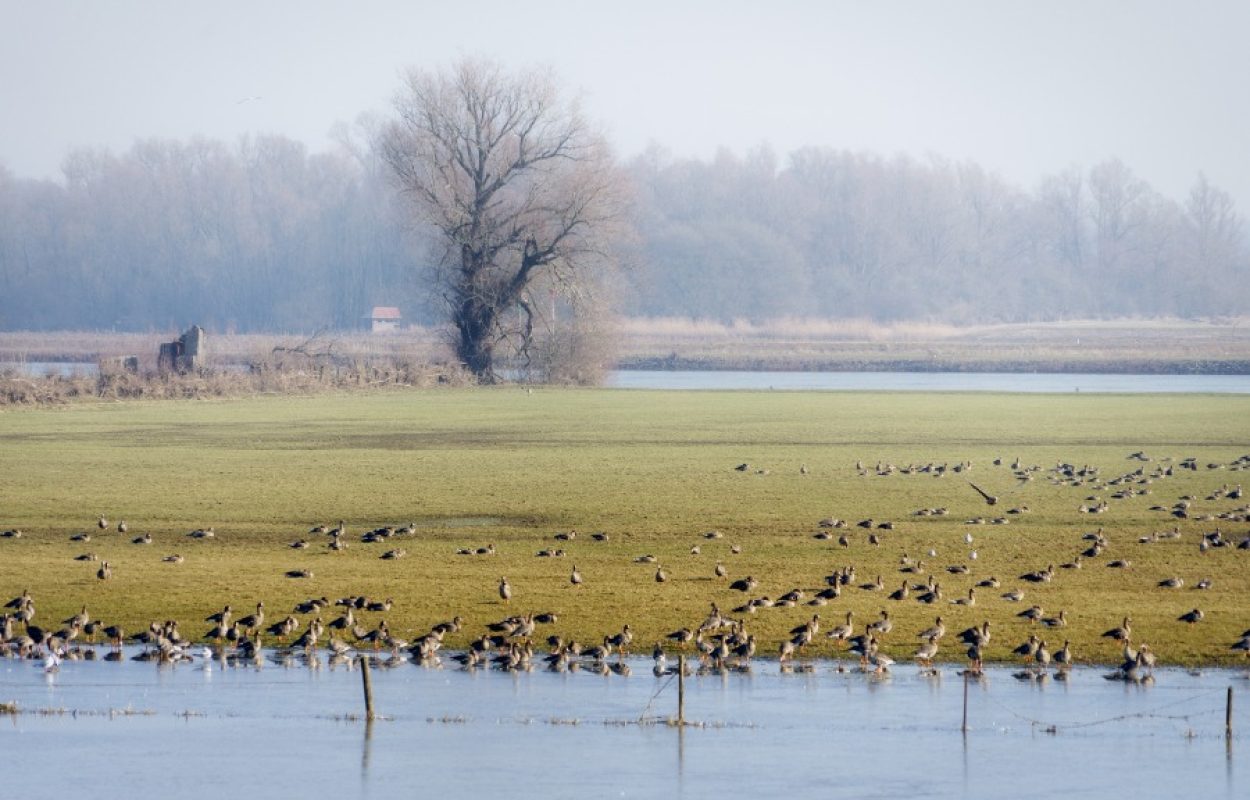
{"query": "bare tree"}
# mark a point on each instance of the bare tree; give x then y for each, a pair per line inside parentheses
(516, 186)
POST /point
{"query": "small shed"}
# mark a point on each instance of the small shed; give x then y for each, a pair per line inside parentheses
(384, 319)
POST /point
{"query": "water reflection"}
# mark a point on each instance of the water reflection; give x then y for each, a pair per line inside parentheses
(366, 751)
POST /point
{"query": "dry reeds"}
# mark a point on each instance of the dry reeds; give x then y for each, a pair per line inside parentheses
(259, 378)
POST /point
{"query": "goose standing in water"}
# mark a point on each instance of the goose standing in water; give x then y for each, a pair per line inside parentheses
(927, 652)
(1042, 655)
(1063, 656)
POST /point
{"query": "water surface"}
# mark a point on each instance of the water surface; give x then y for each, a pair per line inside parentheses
(930, 381)
(292, 731)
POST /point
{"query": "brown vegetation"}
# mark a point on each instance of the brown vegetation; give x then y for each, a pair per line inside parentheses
(289, 370)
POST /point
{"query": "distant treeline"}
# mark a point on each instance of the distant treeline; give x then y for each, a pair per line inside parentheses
(837, 234)
(258, 235)
(262, 235)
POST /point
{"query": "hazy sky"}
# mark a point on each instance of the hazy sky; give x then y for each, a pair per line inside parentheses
(1024, 88)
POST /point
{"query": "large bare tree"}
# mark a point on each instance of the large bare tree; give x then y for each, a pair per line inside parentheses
(519, 189)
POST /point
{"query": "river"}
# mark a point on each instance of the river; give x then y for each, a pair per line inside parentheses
(1050, 383)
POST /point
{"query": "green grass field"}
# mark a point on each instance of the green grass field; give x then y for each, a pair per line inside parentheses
(654, 470)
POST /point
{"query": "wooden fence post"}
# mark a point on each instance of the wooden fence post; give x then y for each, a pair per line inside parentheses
(368, 684)
(681, 690)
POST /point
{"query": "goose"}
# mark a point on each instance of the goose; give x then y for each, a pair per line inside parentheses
(880, 661)
(881, 626)
(990, 499)
(172, 558)
(299, 573)
(989, 583)
(144, 539)
(1040, 576)
(1042, 655)
(720, 570)
(104, 572)
(1032, 613)
(901, 593)
(80, 619)
(844, 631)
(937, 630)
(575, 577)
(970, 600)
(252, 622)
(1029, 648)
(1060, 621)
(102, 522)
(1124, 633)
(927, 652)
(80, 537)
(975, 659)
(682, 636)
(810, 628)
(979, 636)
(1191, 617)
(310, 606)
(744, 584)
(933, 595)
(1014, 596)
(505, 588)
(660, 576)
(621, 640)
(746, 649)
(1063, 656)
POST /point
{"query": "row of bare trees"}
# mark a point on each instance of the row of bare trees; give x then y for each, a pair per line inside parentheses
(489, 202)
(259, 235)
(832, 233)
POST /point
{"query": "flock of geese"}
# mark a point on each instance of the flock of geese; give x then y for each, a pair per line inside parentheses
(720, 641)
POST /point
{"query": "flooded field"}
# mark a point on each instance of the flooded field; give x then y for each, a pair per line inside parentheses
(204, 728)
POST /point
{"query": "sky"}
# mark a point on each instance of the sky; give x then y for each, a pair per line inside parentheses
(1026, 89)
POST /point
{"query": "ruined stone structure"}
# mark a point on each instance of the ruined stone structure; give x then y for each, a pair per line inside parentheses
(185, 355)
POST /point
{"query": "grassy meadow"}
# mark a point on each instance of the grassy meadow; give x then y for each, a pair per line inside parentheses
(653, 470)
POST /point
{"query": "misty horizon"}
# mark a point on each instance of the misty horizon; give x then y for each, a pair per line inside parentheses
(1022, 92)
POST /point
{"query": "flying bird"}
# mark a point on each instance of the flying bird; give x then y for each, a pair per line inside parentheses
(989, 498)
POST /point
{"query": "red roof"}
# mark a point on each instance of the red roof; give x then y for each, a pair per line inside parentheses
(385, 312)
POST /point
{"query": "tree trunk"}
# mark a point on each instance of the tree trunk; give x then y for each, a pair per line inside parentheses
(475, 345)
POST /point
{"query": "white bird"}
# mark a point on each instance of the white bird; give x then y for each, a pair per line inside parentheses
(932, 552)
(973, 555)
(967, 538)
(52, 663)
